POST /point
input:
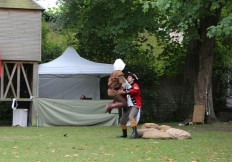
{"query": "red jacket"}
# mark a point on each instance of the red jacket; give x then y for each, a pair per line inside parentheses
(136, 95)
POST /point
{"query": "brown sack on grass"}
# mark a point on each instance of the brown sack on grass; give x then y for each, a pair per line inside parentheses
(178, 133)
(149, 125)
(164, 127)
(141, 131)
(156, 134)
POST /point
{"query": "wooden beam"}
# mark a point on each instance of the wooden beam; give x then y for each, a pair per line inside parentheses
(26, 79)
(34, 115)
(2, 82)
(35, 79)
(10, 82)
(22, 62)
(18, 80)
(19, 99)
(8, 75)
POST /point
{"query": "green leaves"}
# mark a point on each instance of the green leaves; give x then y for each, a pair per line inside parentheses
(215, 5)
(145, 6)
(224, 28)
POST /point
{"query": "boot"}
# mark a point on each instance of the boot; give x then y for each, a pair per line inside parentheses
(134, 134)
(124, 134)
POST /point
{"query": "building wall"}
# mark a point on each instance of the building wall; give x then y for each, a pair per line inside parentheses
(20, 34)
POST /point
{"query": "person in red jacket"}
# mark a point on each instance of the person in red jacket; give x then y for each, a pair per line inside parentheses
(130, 113)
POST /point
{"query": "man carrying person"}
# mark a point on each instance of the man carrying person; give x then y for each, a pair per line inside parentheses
(130, 113)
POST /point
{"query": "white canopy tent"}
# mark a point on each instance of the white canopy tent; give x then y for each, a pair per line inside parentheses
(70, 76)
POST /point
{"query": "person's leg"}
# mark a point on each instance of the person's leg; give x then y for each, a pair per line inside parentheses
(123, 120)
(119, 102)
(132, 117)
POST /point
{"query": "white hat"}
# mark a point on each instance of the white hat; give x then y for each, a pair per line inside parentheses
(119, 64)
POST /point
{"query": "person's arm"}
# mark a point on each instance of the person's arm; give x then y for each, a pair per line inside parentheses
(134, 90)
(123, 81)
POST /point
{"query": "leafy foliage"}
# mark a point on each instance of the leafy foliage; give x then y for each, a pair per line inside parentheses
(106, 30)
(54, 41)
(200, 22)
(222, 72)
(224, 27)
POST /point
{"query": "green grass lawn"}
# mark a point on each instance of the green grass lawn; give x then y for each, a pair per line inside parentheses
(89, 144)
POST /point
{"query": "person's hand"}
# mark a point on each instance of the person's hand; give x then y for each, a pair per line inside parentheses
(121, 91)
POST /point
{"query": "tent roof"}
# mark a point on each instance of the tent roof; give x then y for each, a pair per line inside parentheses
(70, 62)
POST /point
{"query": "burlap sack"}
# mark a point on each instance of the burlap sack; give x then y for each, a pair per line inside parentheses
(149, 125)
(141, 131)
(164, 127)
(178, 133)
(156, 134)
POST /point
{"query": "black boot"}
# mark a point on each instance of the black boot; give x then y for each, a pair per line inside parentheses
(124, 133)
(134, 134)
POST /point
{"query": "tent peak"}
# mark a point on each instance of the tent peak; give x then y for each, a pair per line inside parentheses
(70, 62)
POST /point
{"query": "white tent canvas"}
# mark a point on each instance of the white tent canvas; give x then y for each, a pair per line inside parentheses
(70, 76)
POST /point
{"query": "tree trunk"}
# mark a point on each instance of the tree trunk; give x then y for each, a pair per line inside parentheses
(203, 80)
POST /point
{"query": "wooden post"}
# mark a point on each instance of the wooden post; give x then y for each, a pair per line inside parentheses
(34, 93)
(2, 82)
(18, 80)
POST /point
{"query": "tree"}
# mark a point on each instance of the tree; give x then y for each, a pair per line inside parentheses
(200, 22)
(222, 71)
(107, 30)
(54, 39)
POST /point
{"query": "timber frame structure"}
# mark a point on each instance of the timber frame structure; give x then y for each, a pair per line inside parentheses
(18, 80)
(20, 52)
